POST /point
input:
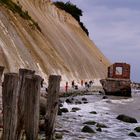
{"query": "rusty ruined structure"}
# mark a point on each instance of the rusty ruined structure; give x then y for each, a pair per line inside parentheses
(118, 82)
(119, 70)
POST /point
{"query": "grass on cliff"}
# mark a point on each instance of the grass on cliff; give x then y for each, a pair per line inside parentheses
(73, 10)
(17, 8)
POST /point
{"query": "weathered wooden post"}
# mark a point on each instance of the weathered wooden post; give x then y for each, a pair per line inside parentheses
(9, 94)
(21, 99)
(1, 72)
(32, 100)
(52, 105)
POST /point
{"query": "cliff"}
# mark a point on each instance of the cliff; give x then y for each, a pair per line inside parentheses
(59, 46)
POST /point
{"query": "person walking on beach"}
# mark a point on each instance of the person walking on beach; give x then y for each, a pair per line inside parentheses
(85, 84)
(66, 87)
(72, 84)
(82, 82)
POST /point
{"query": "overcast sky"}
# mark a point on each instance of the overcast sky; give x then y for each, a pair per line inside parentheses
(114, 26)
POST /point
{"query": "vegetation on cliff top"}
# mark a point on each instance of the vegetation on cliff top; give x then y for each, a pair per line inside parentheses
(73, 10)
(17, 8)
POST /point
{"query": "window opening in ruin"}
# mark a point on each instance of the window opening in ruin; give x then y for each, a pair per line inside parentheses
(119, 71)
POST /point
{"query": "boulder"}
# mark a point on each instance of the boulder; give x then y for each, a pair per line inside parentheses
(78, 102)
(101, 92)
(69, 101)
(93, 112)
(105, 97)
(99, 129)
(74, 109)
(64, 110)
(58, 135)
(132, 134)
(87, 129)
(101, 125)
(84, 99)
(90, 123)
(60, 105)
(137, 129)
(127, 119)
(85, 102)
(72, 99)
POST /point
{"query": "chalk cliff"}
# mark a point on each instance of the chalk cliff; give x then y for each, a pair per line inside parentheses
(61, 47)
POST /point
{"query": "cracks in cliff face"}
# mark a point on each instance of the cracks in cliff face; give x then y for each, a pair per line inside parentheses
(17, 8)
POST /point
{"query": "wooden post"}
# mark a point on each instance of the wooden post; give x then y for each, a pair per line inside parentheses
(21, 99)
(1, 72)
(52, 105)
(9, 94)
(32, 100)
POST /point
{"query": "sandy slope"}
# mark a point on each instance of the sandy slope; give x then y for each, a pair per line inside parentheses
(61, 48)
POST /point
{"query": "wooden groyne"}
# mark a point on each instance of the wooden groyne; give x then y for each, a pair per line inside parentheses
(52, 105)
(9, 94)
(1, 73)
(21, 105)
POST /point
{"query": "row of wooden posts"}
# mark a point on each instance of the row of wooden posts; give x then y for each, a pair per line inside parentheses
(21, 99)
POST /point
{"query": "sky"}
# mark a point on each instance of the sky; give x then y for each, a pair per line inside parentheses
(114, 26)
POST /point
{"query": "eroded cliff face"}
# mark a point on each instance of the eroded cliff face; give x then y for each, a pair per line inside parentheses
(60, 48)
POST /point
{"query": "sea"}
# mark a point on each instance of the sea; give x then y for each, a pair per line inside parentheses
(70, 124)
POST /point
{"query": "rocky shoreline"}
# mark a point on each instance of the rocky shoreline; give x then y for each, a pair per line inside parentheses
(95, 127)
(82, 115)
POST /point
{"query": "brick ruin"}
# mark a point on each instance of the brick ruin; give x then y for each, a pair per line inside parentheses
(119, 70)
(118, 82)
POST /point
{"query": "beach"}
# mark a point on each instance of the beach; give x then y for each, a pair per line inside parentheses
(70, 124)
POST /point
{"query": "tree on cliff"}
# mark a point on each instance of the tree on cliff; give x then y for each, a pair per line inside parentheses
(73, 10)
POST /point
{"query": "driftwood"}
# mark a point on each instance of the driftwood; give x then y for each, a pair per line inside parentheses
(1, 72)
(32, 98)
(9, 96)
(21, 99)
(52, 105)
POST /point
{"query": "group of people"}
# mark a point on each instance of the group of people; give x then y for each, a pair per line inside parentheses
(86, 84)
